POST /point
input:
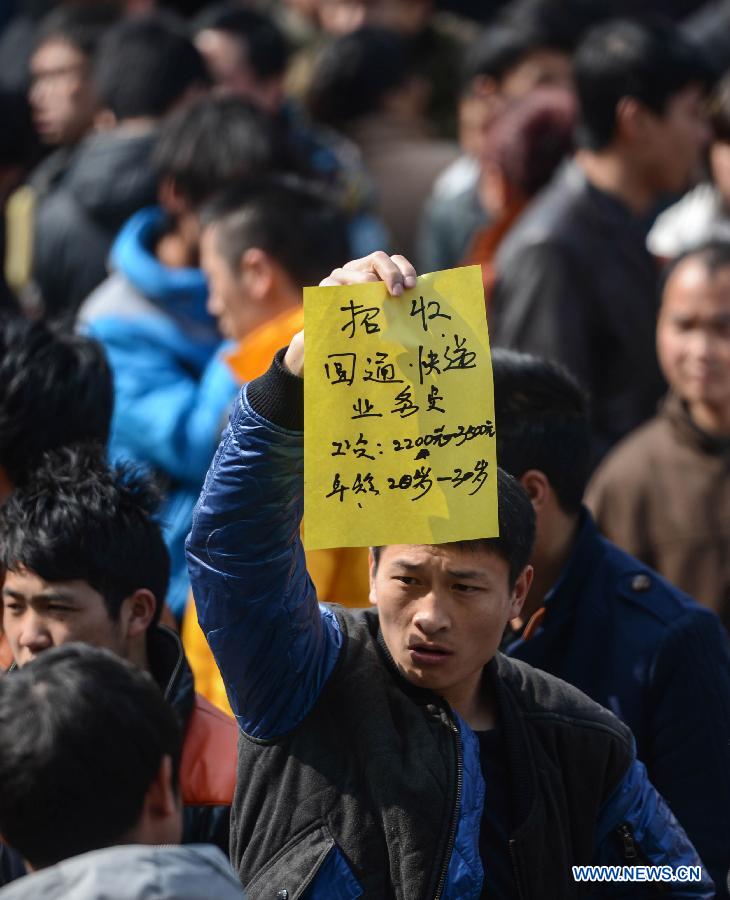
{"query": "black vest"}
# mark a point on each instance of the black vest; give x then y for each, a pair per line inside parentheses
(373, 768)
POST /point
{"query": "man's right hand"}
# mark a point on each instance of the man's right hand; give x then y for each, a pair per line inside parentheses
(397, 273)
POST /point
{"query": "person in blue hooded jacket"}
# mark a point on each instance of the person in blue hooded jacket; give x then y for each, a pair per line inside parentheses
(172, 389)
(394, 752)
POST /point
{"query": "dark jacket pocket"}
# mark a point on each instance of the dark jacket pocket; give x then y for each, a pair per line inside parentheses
(295, 867)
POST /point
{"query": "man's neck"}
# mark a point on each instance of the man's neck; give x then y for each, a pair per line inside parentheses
(474, 701)
(713, 420)
(613, 173)
(138, 655)
(551, 556)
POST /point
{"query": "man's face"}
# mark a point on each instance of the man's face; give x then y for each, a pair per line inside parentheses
(443, 610)
(693, 334)
(541, 68)
(226, 295)
(675, 142)
(61, 94)
(38, 615)
(232, 73)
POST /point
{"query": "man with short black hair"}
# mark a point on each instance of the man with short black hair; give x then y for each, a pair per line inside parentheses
(396, 752)
(607, 624)
(247, 55)
(144, 68)
(503, 65)
(84, 560)
(575, 282)
(89, 761)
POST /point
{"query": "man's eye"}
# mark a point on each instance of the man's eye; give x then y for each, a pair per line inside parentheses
(465, 588)
(58, 608)
(405, 579)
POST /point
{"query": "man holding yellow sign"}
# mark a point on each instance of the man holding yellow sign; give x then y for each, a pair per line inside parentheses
(394, 752)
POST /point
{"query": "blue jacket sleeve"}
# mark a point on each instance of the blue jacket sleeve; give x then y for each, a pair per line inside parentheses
(275, 646)
(649, 825)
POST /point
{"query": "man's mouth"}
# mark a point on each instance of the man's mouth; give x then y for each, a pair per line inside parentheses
(429, 654)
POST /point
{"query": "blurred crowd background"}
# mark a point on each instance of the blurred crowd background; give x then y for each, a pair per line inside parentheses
(171, 176)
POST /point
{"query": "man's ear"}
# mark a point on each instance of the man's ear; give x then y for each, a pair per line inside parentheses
(160, 821)
(630, 119)
(372, 568)
(256, 272)
(520, 591)
(138, 611)
(537, 486)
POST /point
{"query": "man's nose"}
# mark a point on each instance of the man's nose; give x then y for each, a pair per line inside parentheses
(700, 344)
(34, 635)
(432, 614)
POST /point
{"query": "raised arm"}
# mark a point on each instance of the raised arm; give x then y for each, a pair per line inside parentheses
(275, 646)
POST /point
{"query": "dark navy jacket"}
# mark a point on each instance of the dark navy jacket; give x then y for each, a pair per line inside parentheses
(659, 661)
(277, 648)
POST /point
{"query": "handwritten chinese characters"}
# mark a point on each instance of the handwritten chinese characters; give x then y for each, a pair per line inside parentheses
(399, 412)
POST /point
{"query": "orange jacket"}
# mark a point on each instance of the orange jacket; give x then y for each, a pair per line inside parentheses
(208, 763)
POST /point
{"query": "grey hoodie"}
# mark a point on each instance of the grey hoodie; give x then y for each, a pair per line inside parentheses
(133, 872)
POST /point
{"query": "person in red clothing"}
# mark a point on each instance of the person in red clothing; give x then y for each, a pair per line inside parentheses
(85, 562)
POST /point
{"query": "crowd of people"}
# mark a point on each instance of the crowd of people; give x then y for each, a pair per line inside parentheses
(191, 705)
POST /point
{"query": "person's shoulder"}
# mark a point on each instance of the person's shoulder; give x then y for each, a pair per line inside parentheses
(552, 221)
(114, 296)
(637, 451)
(208, 764)
(645, 590)
(547, 699)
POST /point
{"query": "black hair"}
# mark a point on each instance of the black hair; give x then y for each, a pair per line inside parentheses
(649, 60)
(83, 734)
(293, 221)
(263, 42)
(212, 143)
(714, 254)
(501, 47)
(80, 26)
(55, 389)
(516, 528)
(356, 72)
(75, 517)
(542, 419)
(144, 65)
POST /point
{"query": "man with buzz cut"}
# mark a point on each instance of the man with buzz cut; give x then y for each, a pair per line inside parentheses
(394, 752)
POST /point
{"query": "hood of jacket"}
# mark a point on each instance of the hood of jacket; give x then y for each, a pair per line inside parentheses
(181, 293)
(111, 175)
(134, 872)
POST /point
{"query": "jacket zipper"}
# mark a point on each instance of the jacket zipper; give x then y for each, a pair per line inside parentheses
(455, 814)
(515, 868)
(628, 845)
(632, 854)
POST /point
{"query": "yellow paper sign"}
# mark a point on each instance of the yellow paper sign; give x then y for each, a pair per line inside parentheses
(399, 442)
